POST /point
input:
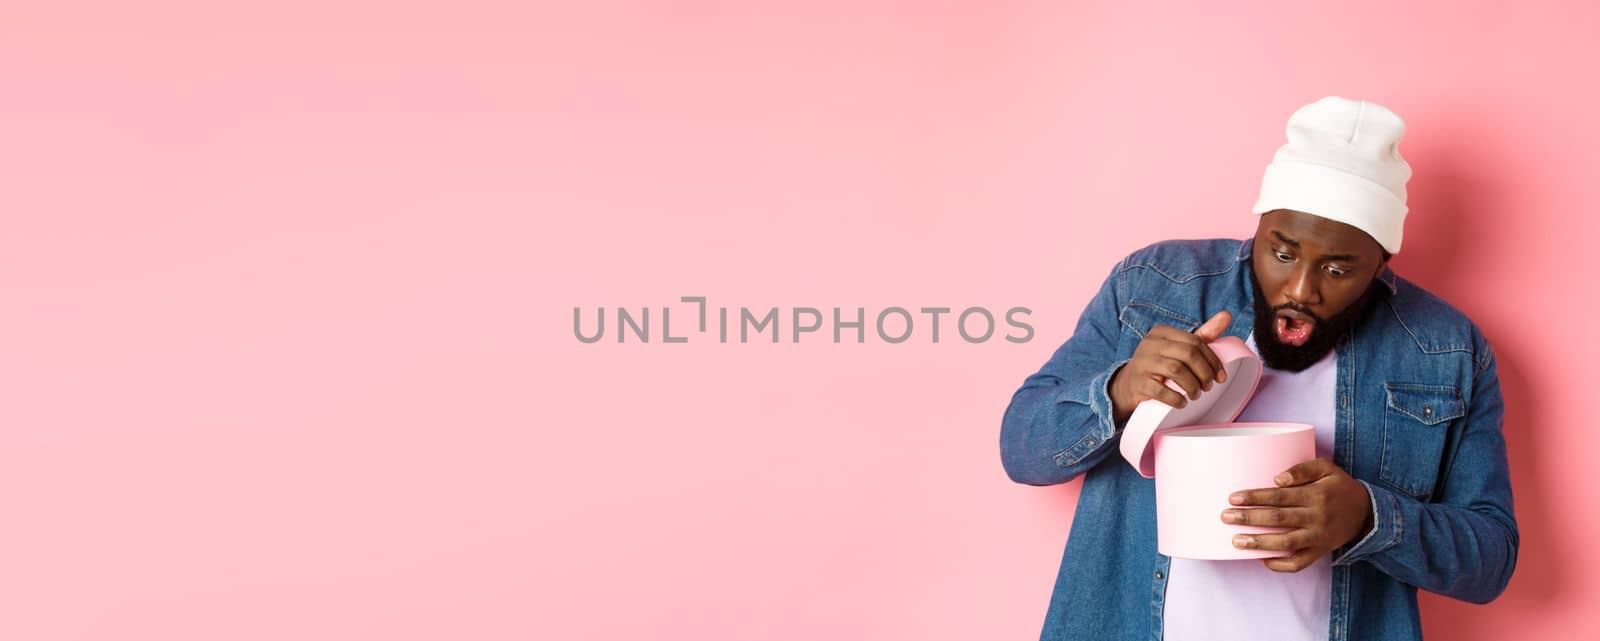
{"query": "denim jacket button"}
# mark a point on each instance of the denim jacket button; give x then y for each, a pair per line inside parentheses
(1158, 576)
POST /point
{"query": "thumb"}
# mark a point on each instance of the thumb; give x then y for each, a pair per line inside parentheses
(1213, 328)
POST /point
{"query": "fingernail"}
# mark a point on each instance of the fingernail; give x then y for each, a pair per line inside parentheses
(1232, 516)
(1243, 541)
(1283, 479)
(1237, 499)
(1222, 376)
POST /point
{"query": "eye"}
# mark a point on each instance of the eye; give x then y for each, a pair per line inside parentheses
(1283, 257)
(1337, 271)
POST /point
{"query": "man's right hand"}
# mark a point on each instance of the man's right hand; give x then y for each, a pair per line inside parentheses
(1169, 353)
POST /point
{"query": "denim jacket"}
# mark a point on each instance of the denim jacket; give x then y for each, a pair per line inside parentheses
(1418, 422)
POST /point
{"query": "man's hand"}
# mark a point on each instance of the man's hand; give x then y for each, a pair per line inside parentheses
(1169, 353)
(1319, 500)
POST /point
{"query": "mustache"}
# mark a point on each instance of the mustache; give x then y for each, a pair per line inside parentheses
(1298, 308)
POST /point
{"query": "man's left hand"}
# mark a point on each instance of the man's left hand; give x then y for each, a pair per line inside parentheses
(1320, 502)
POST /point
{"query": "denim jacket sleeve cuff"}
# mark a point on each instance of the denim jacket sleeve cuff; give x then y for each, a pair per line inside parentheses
(1386, 527)
(1096, 395)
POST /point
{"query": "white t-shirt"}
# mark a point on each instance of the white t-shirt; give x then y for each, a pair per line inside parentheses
(1242, 600)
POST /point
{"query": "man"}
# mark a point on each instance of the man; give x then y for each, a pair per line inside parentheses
(1411, 486)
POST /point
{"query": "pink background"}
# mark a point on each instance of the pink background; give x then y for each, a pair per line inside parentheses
(288, 293)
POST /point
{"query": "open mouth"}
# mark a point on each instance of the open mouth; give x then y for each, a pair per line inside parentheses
(1294, 331)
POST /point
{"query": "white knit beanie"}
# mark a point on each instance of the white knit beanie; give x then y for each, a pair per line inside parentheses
(1342, 162)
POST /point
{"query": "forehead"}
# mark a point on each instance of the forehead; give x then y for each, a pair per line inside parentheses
(1316, 234)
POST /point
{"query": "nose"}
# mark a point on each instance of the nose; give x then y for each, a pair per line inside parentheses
(1302, 288)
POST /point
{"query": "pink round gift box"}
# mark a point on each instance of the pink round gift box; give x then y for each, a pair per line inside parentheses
(1199, 456)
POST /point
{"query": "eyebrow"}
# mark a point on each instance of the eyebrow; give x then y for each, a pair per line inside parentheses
(1296, 244)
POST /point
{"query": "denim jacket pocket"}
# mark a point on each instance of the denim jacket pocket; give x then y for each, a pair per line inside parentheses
(1140, 316)
(1415, 424)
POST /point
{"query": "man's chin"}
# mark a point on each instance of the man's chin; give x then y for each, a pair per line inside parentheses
(1282, 356)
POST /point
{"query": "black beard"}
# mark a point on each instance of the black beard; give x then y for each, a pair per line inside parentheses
(1324, 336)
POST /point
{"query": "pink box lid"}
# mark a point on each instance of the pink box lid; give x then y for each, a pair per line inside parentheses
(1221, 404)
